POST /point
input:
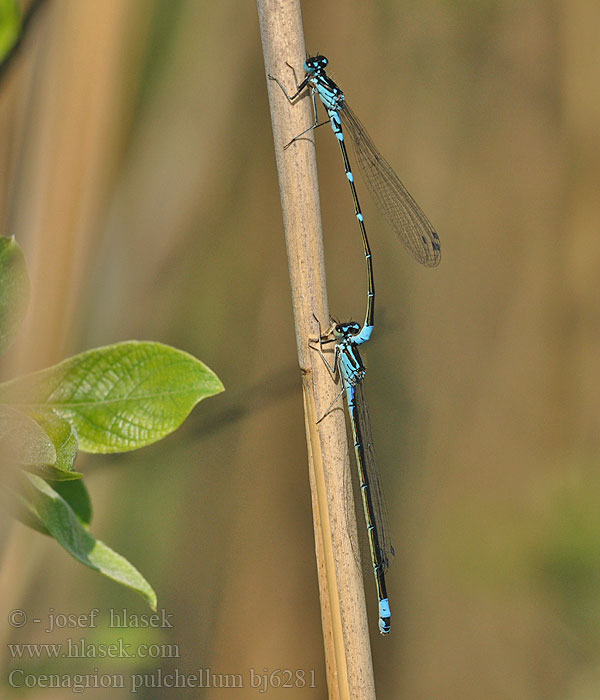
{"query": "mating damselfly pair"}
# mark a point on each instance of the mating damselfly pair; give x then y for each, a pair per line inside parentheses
(416, 232)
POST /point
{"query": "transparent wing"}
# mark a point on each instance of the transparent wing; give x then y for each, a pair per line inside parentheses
(402, 212)
(380, 515)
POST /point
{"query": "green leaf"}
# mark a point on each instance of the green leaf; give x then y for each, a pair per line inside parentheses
(64, 438)
(10, 26)
(24, 511)
(76, 495)
(64, 525)
(23, 442)
(53, 474)
(119, 397)
(14, 290)
(41, 442)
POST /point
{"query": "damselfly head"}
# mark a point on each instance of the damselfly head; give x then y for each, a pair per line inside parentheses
(313, 64)
(346, 330)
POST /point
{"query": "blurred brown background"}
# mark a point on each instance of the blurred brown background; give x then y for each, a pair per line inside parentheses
(138, 174)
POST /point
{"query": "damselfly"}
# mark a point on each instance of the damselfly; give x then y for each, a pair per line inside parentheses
(348, 363)
(402, 212)
(419, 236)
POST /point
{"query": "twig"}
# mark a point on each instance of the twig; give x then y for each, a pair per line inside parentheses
(343, 612)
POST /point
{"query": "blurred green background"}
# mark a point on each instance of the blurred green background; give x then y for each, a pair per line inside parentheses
(138, 173)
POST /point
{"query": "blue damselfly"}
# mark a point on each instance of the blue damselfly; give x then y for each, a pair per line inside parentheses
(416, 232)
(404, 215)
(348, 363)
